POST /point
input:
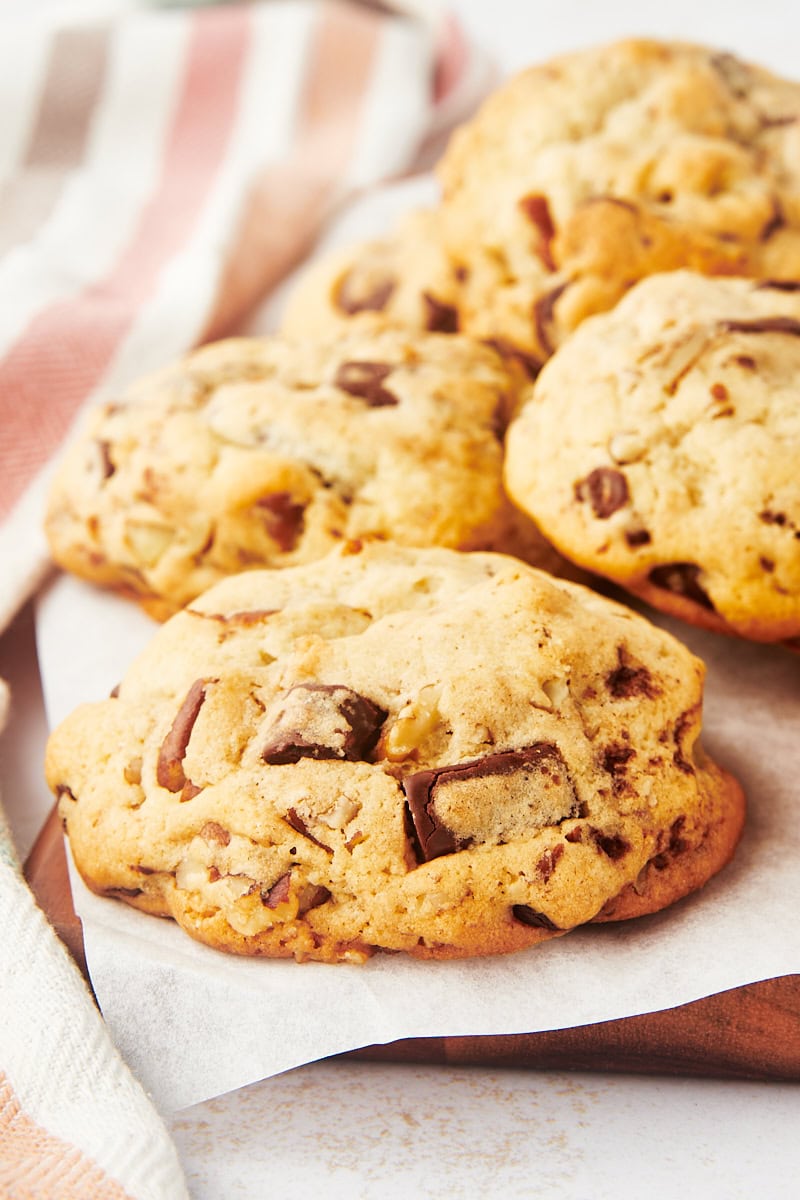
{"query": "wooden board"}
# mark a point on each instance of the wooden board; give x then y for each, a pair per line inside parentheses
(750, 1032)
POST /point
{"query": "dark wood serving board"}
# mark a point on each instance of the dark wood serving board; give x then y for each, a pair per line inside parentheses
(750, 1032)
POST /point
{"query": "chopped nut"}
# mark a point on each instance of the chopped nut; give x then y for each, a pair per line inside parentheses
(414, 722)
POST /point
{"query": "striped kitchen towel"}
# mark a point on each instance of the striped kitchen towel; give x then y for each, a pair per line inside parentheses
(161, 169)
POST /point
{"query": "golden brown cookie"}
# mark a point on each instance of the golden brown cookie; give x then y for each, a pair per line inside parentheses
(660, 448)
(584, 174)
(425, 751)
(269, 452)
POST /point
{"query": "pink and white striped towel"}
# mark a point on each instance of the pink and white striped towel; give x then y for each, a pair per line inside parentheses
(160, 171)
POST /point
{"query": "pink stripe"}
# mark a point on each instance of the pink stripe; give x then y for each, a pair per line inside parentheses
(65, 350)
(451, 58)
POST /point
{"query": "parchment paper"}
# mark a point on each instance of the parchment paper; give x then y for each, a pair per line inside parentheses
(193, 1022)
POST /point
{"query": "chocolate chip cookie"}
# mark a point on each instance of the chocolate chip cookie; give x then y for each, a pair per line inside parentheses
(678, 431)
(406, 277)
(584, 174)
(426, 751)
(267, 452)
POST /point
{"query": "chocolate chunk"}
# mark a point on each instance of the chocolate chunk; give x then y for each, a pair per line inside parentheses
(351, 301)
(529, 916)
(773, 518)
(279, 892)
(530, 365)
(763, 325)
(299, 826)
(365, 380)
(543, 317)
(682, 579)
(779, 285)
(627, 680)
(313, 897)
(614, 846)
(719, 391)
(537, 210)
(107, 466)
(605, 489)
(684, 723)
(283, 518)
(614, 761)
(574, 835)
(439, 317)
(169, 768)
(746, 360)
(432, 837)
(323, 721)
(637, 537)
(549, 861)
(776, 221)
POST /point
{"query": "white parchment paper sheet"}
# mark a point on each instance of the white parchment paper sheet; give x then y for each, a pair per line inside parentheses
(193, 1022)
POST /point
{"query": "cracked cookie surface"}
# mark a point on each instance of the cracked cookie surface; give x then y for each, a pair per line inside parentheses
(267, 452)
(678, 429)
(425, 751)
(591, 171)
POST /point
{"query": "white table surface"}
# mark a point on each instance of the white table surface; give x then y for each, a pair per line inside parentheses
(353, 1130)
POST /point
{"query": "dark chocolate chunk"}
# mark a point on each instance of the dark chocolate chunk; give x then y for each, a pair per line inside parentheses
(682, 579)
(614, 846)
(529, 916)
(365, 380)
(107, 465)
(279, 892)
(282, 517)
(606, 490)
(763, 325)
(627, 680)
(439, 317)
(543, 317)
(684, 722)
(637, 537)
(778, 285)
(549, 861)
(773, 518)
(169, 768)
(313, 897)
(314, 712)
(537, 210)
(299, 826)
(351, 301)
(506, 349)
(776, 221)
(432, 838)
(614, 761)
